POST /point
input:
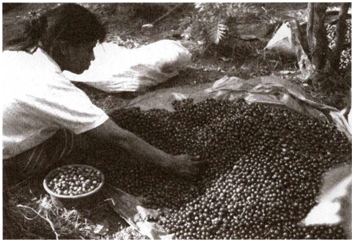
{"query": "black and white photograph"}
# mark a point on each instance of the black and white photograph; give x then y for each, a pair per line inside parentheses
(176, 121)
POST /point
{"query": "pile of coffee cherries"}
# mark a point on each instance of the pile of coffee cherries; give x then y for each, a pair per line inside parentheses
(263, 169)
(74, 180)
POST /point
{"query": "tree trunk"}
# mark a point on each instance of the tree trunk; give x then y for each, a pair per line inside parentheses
(340, 36)
(317, 34)
(310, 28)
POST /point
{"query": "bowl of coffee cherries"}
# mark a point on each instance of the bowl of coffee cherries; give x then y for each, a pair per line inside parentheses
(73, 182)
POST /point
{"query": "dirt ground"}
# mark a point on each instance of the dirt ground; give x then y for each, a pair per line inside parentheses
(124, 28)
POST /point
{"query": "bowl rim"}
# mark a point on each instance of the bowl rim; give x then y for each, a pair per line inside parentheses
(52, 193)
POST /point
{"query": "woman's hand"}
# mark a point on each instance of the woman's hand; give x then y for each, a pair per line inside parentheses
(110, 135)
(185, 165)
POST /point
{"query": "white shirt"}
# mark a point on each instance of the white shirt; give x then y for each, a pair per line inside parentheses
(39, 100)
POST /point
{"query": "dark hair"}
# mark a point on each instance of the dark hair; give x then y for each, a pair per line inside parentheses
(69, 22)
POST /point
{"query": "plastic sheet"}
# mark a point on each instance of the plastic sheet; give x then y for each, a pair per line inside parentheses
(130, 208)
(267, 89)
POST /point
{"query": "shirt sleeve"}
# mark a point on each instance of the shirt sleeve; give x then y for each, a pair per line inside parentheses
(61, 103)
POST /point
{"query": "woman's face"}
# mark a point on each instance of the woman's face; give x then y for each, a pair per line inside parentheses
(78, 58)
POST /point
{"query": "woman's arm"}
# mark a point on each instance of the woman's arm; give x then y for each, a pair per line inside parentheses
(111, 134)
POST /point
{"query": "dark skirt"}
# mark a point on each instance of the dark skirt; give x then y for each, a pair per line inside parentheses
(64, 147)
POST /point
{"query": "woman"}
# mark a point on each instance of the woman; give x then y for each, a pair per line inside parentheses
(45, 116)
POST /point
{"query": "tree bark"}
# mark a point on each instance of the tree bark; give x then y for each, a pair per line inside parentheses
(340, 35)
(317, 34)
